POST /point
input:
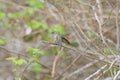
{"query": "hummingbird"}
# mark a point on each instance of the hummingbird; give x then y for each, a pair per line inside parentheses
(59, 39)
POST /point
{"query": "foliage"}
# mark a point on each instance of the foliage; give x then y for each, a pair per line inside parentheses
(34, 57)
(34, 54)
(23, 13)
(35, 67)
(16, 60)
(34, 24)
(35, 51)
(114, 71)
(74, 44)
(2, 41)
(58, 29)
(91, 21)
(2, 15)
(37, 4)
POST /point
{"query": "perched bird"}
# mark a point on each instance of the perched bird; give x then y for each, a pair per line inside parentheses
(59, 39)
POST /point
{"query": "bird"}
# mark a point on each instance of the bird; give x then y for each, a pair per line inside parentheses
(59, 39)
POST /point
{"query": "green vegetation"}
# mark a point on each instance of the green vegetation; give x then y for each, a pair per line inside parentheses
(2, 15)
(16, 60)
(28, 46)
(37, 4)
(3, 41)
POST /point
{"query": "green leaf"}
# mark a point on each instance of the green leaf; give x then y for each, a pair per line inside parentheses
(58, 29)
(23, 13)
(2, 15)
(42, 52)
(74, 44)
(35, 54)
(20, 62)
(33, 58)
(36, 67)
(2, 41)
(30, 11)
(16, 61)
(37, 25)
(35, 51)
(29, 50)
(43, 25)
(11, 15)
(37, 4)
(26, 12)
(11, 58)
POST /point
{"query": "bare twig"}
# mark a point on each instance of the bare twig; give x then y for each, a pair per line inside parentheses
(26, 67)
(83, 68)
(115, 77)
(100, 10)
(98, 71)
(117, 25)
(69, 66)
(99, 23)
(111, 65)
(55, 62)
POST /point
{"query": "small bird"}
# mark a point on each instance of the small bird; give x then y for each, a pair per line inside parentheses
(59, 39)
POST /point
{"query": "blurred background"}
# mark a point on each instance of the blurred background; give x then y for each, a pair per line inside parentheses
(27, 50)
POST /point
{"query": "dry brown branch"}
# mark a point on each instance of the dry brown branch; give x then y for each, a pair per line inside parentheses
(117, 25)
(24, 70)
(68, 67)
(96, 73)
(80, 70)
(111, 65)
(55, 62)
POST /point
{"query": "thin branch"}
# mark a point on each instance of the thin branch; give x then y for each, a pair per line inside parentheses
(95, 73)
(68, 67)
(26, 67)
(115, 77)
(111, 65)
(83, 68)
(100, 10)
(99, 23)
(117, 25)
(55, 62)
